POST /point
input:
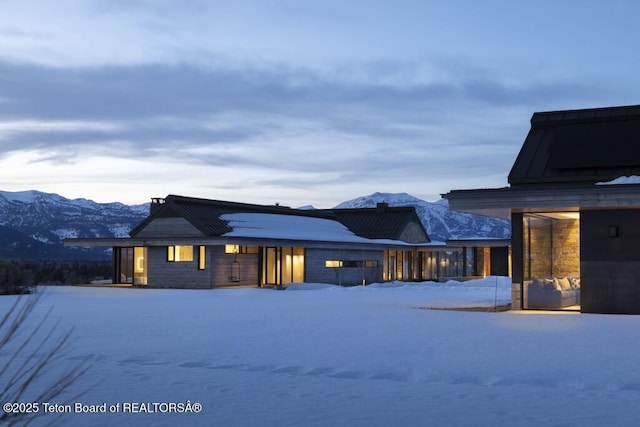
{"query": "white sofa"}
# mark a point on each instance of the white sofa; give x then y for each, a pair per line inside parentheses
(557, 292)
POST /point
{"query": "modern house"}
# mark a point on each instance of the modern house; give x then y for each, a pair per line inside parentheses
(575, 217)
(198, 243)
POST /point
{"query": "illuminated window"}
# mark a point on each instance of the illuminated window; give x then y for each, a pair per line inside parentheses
(351, 264)
(240, 249)
(333, 264)
(201, 258)
(180, 253)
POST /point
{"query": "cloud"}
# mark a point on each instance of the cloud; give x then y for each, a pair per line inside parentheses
(184, 95)
(272, 100)
(276, 126)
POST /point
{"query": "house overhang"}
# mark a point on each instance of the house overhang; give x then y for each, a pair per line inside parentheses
(501, 202)
(219, 241)
(479, 242)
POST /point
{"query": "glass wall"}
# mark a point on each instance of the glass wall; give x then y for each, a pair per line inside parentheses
(456, 263)
(125, 265)
(282, 265)
(293, 265)
(429, 266)
(551, 260)
(140, 266)
(452, 264)
(421, 266)
(131, 265)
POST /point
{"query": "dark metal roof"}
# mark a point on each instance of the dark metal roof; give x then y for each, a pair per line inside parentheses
(374, 223)
(205, 214)
(579, 147)
(380, 223)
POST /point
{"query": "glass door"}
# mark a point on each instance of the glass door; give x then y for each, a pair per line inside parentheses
(125, 266)
(139, 266)
(271, 266)
(282, 265)
(131, 266)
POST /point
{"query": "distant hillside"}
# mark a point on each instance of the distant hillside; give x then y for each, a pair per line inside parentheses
(440, 222)
(33, 224)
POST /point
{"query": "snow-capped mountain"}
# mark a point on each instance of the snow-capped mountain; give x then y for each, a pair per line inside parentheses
(34, 223)
(440, 222)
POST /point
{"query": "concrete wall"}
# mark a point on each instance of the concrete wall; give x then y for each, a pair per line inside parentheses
(610, 266)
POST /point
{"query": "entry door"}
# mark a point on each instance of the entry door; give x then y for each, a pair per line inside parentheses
(282, 265)
(125, 266)
(132, 266)
(271, 266)
(139, 266)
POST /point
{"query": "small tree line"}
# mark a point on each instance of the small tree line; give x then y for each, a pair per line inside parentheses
(19, 276)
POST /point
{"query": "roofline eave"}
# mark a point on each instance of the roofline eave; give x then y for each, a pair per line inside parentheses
(500, 202)
(230, 240)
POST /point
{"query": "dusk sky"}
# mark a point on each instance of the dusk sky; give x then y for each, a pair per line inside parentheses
(294, 101)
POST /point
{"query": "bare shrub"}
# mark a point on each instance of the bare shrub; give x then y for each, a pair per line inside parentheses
(30, 350)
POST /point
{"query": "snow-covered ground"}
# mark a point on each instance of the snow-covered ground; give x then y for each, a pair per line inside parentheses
(317, 355)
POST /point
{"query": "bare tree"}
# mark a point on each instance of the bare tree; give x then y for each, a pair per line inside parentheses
(31, 351)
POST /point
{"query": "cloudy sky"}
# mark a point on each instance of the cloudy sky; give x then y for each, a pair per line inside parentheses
(294, 101)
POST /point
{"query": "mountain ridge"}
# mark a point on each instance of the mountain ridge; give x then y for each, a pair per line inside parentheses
(46, 219)
(440, 222)
(33, 224)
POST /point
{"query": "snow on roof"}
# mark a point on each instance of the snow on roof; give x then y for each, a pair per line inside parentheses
(292, 227)
(633, 179)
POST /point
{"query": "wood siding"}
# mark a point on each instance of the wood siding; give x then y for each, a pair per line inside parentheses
(169, 227)
(316, 270)
(221, 266)
(164, 274)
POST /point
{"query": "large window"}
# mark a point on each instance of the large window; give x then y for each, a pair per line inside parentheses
(551, 260)
(351, 264)
(180, 253)
(202, 258)
(293, 269)
(240, 249)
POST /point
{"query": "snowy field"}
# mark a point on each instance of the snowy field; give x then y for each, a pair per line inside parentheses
(331, 356)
